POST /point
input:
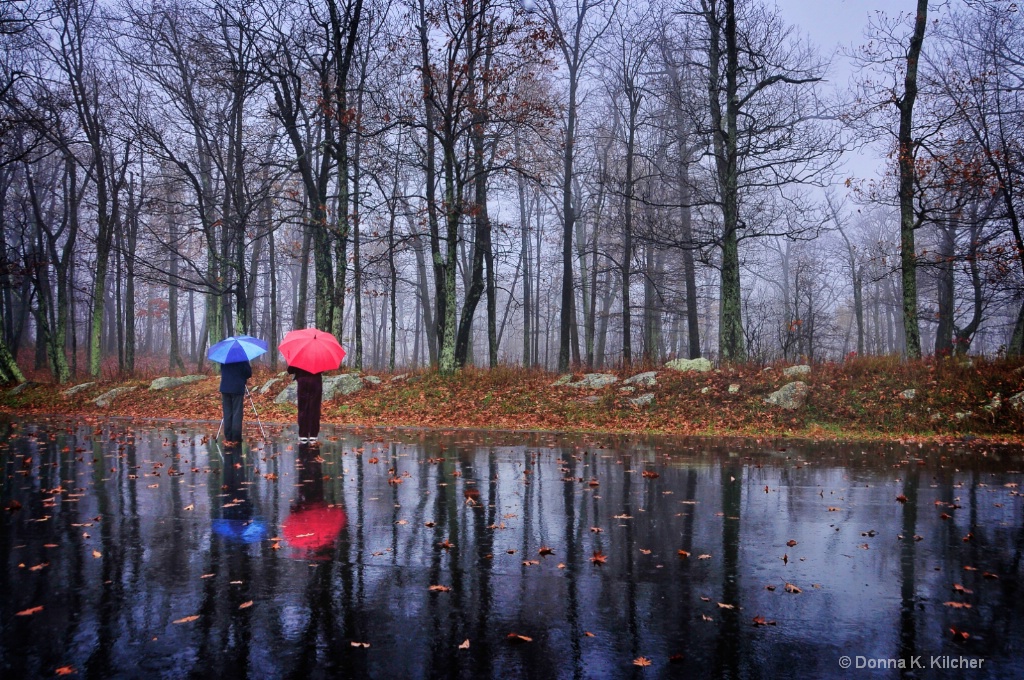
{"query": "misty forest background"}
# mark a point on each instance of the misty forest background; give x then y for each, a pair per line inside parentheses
(552, 183)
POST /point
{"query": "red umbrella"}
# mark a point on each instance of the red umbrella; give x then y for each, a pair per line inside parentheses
(312, 350)
(313, 526)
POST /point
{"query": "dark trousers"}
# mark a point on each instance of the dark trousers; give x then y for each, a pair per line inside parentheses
(234, 405)
(311, 392)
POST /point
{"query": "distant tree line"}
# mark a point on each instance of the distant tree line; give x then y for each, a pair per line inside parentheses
(538, 182)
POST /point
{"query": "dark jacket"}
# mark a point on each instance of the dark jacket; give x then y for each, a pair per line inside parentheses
(303, 373)
(233, 377)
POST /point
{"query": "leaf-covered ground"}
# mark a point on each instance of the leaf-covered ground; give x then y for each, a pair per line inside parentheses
(855, 399)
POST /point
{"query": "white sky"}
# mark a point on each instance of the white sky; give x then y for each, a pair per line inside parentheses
(834, 24)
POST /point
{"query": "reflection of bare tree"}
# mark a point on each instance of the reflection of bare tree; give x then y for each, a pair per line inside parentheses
(727, 649)
(908, 585)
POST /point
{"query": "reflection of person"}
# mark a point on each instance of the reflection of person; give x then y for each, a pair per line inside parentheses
(310, 388)
(233, 377)
(312, 525)
(235, 521)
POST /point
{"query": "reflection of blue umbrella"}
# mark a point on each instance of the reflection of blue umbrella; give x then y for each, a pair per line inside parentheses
(240, 530)
(236, 348)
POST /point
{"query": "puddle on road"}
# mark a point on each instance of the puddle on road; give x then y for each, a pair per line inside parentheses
(136, 549)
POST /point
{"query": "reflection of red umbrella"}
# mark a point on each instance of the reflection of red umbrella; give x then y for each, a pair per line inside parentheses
(313, 526)
(312, 350)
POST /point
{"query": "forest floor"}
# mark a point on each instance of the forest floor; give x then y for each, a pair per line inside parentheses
(857, 399)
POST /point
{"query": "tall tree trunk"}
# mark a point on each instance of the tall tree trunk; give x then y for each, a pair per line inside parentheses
(730, 326)
(907, 166)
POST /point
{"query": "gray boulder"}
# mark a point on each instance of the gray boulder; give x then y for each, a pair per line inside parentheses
(372, 379)
(268, 385)
(21, 387)
(562, 380)
(1017, 401)
(167, 383)
(289, 395)
(734, 388)
(400, 377)
(701, 365)
(71, 391)
(798, 371)
(629, 389)
(791, 396)
(106, 398)
(344, 385)
(909, 395)
(593, 381)
(647, 379)
(645, 399)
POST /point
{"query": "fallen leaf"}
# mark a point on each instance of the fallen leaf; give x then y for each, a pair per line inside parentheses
(957, 605)
(761, 621)
(439, 589)
(722, 605)
(30, 612)
(66, 670)
(97, 554)
(642, 661)
(704, 557)
(683, 553)
(644, 551)
(706, 617)
(187, 619)
(465, 644)
(588, 633)
(790, 543)
(364, 645)
(901, 498)
(959, 634)
(769, 587)
(245, 605)
(546, 551)
(599, 557)
(516, 637)
(960, 589)
(986, 574)
(790, 588)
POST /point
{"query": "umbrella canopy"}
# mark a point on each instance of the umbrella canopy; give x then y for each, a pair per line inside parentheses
(237, 348)
(313, 526)
(312, 350)
(240, 530)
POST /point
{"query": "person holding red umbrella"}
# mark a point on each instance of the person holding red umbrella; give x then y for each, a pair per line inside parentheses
(309, 353)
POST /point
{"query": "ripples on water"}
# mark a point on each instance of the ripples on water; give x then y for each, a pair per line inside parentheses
(134, 550)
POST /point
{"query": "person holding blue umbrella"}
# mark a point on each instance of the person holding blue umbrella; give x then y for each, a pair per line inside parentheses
(234, 354)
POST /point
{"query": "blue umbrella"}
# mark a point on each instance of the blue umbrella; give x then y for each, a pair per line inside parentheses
(239, 530)
(236, 348)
